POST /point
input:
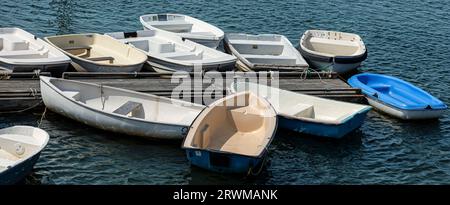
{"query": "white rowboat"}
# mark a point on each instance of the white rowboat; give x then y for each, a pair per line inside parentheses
(99, 53)
(184, 26)
(332, 50)
(169, 53)
(264, 52)
(21, 51)
(309, 114)
(20, 148)
(119, 110)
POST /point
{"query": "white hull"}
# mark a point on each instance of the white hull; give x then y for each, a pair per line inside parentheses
(61, 104)
(405, 114)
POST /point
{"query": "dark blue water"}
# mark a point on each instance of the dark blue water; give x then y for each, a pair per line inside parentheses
(408, 39)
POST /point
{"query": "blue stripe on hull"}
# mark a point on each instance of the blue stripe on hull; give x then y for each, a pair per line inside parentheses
(321, 129)
(17, 173)
(223, 163)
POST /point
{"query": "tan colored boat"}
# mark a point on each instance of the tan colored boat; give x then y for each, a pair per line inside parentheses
(99, 53)
(236, 129)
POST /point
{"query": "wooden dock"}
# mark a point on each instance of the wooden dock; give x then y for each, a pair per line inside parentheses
(21, 91)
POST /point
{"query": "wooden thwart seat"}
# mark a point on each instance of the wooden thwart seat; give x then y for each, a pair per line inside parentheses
(128, 108)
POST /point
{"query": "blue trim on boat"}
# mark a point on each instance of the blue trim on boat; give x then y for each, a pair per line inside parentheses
(19, 171)
(323, 129)
(223, 162)
(395, 92)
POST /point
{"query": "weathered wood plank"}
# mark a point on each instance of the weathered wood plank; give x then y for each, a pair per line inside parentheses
(19, 93)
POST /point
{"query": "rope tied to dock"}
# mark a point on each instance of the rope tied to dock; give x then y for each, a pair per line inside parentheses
(23, 110)
(42, 117)
(33, 92)
(4, 75)
(37, 73)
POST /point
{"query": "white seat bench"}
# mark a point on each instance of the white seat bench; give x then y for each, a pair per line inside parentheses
(173, 25)
(177, 55)
(258, 47)
(15, 44)
(128, 107)
(72, 94)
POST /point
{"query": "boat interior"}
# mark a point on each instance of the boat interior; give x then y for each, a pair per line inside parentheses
(18, 143)
(242, 124)
(265, 49)
(302, 106)
(167, 47)
(175, 23)
(14, 44)
(97, 48)
(129, 104)
(333, 43)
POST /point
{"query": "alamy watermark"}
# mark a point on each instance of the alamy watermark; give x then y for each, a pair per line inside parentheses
(207, 87)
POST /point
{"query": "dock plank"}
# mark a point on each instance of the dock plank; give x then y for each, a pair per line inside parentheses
(19, 93)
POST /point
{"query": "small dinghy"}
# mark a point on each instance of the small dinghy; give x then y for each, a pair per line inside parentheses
(397, 97)
(20, 148)
(264, 52)
(184, 26)
(308, 114)
(168, 53)
(99, 53)
(119, 110)
(232, 134)
(21, 51)
(332, 50)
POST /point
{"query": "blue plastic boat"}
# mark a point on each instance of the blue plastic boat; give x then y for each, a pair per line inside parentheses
(397, 97)
(232, 134)
(309, 114)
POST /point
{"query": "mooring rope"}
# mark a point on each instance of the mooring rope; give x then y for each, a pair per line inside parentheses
(23, 110)
(42, 117)
(37, 73)
(102, 99)
(250, 171)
